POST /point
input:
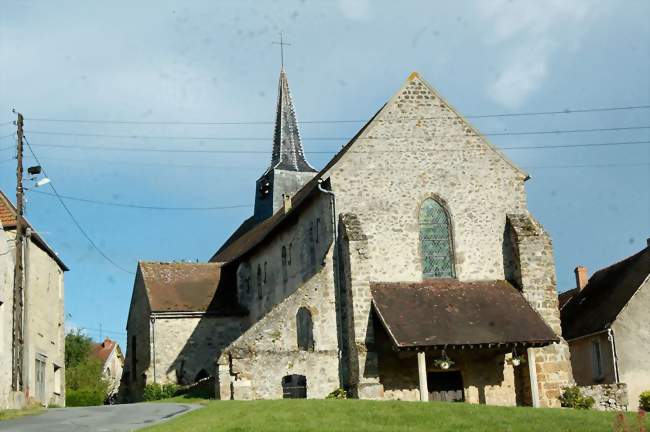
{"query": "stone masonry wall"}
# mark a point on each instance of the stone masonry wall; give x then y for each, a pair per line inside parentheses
(253, 366)
(608, 397)
(418, 147)
(6, 320)
(535, 276)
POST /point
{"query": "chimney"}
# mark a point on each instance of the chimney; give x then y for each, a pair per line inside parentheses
(287, 202)
(648, 241)
(581, 277)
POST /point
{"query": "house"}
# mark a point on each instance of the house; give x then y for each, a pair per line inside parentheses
(43, 351)
(605, 322)
(110, 355)
(409, 267)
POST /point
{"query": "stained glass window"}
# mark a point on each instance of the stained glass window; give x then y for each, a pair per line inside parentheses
(435, 241)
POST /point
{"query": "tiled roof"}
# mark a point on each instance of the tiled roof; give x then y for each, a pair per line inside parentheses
(103, 350)
(564, 297)
(8, 214)
(187, 287)
(598, 304)
(447, 312)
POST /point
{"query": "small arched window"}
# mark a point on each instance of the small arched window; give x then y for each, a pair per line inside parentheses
(259, 281)
(305, 330)
(311, 245)
(435, 241)
(317, 229)
(285, 275)
(289, 257)
(264, 271)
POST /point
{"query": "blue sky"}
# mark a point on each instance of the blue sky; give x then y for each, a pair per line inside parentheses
(214, 62)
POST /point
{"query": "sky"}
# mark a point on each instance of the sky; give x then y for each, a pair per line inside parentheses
(166, 62)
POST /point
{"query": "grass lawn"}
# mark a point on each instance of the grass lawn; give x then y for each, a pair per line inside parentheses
(381, 416)
(12, 414)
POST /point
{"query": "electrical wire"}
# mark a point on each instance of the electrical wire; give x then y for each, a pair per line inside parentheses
(218, 123)
(207, 138)
(74, 219)
(143, 207)
(265, 152)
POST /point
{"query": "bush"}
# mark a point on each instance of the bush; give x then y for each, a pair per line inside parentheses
(338, 394)
(155, 391)
(77, 348)
(572, 397)
(644, 401)
(84, 397)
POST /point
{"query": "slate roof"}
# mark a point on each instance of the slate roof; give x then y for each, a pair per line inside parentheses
(596, 307)
(8, 214)
(251, 238)
(447, 312)
(103, 350)
(187, 287)
(287, 147)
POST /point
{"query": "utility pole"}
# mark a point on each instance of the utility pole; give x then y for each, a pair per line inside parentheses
(17, 358)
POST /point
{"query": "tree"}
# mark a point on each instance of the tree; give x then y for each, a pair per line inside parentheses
(84, 381)
(77, 348)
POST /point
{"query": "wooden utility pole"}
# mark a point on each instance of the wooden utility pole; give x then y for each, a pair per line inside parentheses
(17, 358)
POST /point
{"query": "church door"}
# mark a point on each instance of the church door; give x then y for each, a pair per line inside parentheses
(445, 386)
(294, 387)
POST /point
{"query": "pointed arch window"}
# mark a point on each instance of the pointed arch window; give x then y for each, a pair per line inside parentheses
(305, 329)
(435, 241)
(259, 281)
(285, 275)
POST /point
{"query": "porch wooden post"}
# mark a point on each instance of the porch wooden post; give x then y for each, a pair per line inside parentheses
(422, 371)
(532, 371)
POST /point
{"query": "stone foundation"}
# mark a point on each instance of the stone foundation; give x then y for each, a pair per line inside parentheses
(608, 397)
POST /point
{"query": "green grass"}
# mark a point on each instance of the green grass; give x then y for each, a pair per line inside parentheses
(12, 414)
(384, 416)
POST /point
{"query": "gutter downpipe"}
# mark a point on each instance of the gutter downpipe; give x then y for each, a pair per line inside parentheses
(153, 348)
(610, 337)
(336, 264)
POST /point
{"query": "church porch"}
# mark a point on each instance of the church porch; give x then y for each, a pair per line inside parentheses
(453, 341)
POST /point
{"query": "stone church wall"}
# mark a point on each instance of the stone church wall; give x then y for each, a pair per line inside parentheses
(416, 148)
(254, 365)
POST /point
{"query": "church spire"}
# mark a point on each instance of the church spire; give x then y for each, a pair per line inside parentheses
(287, 148)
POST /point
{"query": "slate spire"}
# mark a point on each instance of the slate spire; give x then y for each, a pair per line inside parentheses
(287, 148)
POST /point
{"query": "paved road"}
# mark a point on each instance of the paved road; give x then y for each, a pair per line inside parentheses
(106, 418)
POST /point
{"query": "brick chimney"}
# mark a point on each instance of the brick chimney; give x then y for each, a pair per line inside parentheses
(581, 277)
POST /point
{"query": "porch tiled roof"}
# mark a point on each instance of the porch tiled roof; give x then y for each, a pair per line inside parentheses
(447, 312)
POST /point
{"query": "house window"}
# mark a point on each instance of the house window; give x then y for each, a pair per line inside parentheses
(134, 359)
(435, 241)
(305, 330)
(317, 229)
(596, 360)
(285, 276)
(259, 282)
(289, 257)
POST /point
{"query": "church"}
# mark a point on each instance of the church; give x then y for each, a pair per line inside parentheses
(407, 268)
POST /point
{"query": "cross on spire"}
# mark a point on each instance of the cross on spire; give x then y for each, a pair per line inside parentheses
(282, 43)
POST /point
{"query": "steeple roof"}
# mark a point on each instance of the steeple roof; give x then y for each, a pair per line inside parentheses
(287, 147)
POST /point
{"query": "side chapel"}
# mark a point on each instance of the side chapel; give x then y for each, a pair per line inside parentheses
(409, 267)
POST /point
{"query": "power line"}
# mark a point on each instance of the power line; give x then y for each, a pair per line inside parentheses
(225, 123)
(265, 152)
(207, 138)
(74, 220)
(143, 207)
(146, 207)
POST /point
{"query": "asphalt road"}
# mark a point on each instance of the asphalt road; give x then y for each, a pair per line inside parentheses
(105, 418)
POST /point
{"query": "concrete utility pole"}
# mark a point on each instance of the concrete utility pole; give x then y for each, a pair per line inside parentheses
(17, 358)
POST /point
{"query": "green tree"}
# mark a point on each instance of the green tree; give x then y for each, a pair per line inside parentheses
(77, 348)
(84, 382)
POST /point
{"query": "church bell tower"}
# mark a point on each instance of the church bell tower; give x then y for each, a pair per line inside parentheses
(289, 171)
